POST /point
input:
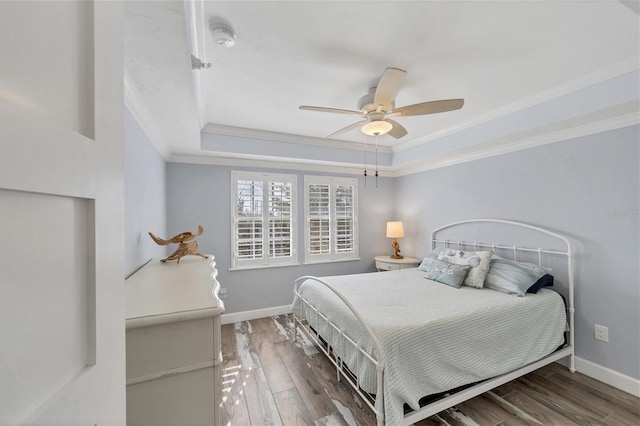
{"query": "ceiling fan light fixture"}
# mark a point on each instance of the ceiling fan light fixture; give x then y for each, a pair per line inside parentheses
(376, 128)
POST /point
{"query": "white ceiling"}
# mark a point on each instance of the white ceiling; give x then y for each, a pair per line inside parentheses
(498, 56)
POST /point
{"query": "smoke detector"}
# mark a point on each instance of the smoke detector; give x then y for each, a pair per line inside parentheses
(222, 35)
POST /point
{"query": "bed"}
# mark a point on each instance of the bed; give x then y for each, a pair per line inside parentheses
(412, 347)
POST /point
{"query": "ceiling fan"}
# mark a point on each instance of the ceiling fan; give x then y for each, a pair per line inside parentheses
(379, 102)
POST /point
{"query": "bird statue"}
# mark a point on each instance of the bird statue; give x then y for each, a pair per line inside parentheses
(185, 248)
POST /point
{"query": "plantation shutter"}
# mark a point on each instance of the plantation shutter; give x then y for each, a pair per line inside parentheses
(280, 219)
(344, 219)
(249, 220)
(331, 219)
(319, 218)
(263, 219)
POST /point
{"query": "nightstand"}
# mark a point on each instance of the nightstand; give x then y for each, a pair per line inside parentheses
(386, 263)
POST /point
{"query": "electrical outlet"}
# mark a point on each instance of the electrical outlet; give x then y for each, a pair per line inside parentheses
(602, 333)
(222, 294)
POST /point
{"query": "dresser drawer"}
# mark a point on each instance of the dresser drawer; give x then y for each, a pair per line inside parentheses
(176, 400)
(388, 266)
(162, 347)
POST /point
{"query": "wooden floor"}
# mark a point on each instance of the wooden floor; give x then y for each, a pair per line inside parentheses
(270, 380)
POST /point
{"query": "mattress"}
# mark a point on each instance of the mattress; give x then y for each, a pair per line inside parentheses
(433, 337)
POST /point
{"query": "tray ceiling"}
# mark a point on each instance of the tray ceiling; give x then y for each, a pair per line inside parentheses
(499, 56)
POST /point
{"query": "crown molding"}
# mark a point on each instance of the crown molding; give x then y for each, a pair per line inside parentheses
(614, 118)
(224, 159)
(241, 132)
(133, 101)
(517, 142)
(594, 77)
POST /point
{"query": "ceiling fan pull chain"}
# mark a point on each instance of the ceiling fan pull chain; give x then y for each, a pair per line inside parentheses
(365, 159)
(376, 160)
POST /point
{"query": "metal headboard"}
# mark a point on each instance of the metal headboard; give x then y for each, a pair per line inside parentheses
(568, 252)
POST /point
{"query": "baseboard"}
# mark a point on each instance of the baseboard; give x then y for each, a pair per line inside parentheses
(255, 314)
(606, 375)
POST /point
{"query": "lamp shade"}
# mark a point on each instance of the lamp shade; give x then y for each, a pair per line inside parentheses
(395, 229)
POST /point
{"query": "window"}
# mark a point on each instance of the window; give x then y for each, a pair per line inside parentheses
(331, 231)
(263, 213)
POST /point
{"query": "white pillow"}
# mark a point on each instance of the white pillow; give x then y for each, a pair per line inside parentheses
(478, 260)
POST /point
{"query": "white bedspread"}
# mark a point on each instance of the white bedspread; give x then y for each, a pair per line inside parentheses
(434, 337)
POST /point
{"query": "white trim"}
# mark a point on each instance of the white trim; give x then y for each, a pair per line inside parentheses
(316, 262)
(134, 103)
(606, 375)
(241, 132)
(253, 161)
(512, 143)
(594, 77)
(255, 314)
(277, 265)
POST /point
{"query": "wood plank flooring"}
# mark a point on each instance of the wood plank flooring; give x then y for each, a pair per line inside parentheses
(270, 380)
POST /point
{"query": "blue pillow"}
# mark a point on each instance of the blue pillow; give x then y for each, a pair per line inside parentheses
(431, 256)
(434, 253)
(545, 281)
(512, 277)
(444, 272)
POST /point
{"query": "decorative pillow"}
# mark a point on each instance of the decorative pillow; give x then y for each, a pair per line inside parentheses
(545, 281)
(444, 272)
(435, 252)
(512, 277)
(433, 255)
(477, 260)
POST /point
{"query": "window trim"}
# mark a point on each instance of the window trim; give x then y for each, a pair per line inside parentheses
(265, 261)
(332, 256)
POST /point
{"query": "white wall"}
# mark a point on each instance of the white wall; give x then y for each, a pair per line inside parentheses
(587, 188)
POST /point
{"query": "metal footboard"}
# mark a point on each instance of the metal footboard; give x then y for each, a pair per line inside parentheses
(375, 403)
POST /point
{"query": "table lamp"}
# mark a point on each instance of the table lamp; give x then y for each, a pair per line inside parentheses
(395, 230)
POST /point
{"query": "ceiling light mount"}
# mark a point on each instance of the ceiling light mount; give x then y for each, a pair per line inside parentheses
(376, 128)
(222, 35)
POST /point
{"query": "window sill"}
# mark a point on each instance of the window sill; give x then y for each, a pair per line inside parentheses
(315, 262)
(245, 268)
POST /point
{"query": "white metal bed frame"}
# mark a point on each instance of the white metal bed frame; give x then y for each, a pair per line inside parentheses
(376, 403)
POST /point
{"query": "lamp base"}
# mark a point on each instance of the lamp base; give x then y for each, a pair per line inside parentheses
(396, 250)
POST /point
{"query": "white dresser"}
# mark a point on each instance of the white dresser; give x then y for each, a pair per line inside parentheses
(173, 343)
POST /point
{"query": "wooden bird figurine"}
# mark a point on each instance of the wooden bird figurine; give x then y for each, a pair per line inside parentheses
(185, 248)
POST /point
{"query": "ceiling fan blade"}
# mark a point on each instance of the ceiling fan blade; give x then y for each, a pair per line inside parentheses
(348, 128)
(388, 87)
(397, 131)
(429, 107)
(336, 110)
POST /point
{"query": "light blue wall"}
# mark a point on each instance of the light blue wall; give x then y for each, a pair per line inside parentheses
(602, 98)
(200, 195)
(145, 202)
(587, 188)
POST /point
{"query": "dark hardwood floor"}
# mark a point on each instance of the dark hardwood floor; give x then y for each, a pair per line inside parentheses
(270, 380)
